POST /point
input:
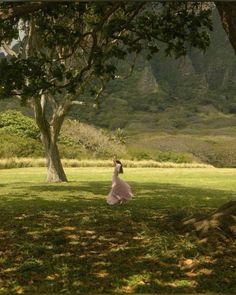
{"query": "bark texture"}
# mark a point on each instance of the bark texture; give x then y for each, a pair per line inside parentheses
(49, 136)
(227, 11)
(221, 223)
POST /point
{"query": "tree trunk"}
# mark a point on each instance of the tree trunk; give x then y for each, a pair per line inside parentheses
(227, 11)
(219, 223)
(49, 136)
(55, 171)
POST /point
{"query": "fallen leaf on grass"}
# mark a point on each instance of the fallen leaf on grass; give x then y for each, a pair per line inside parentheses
(188, 262)
(190, 274)
(19, 290)
(102, 274)
(73, 237)
(128, 289)
(10, 269)
(52, 277)
(205, 271)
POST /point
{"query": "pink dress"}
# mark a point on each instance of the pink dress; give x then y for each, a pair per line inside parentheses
(120, 190)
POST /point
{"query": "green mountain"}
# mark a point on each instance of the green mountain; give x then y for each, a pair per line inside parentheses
(168, 95)
(184, 105)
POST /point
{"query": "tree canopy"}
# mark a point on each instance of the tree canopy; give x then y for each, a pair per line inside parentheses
(90, 36)
(65, 53)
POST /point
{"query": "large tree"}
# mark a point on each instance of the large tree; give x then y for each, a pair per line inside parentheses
(65, 53)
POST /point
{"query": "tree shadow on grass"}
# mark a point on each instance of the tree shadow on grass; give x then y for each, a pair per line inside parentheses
(65, 237)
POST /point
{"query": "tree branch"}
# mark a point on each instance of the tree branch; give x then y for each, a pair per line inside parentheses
(100, 91)
(43, 103)
(8, 49)
(77, 102)
(40, 118)
(227, 11)
(58, 119)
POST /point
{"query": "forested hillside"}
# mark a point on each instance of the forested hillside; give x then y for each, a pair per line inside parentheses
(185, 105)
(166, 94)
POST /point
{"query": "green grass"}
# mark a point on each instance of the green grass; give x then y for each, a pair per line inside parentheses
(63, 238)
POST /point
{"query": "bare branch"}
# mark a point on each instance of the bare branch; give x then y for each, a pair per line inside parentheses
(100, 91)
(77, 102)
(8, 49)
(83, 103)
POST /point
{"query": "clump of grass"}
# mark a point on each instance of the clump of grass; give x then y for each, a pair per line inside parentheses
(41, 162)
(22, 162)
(156, 164)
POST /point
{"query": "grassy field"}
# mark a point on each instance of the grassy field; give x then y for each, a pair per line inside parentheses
(63, 238)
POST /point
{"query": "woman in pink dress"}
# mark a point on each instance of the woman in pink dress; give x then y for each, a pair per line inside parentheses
(120, 190)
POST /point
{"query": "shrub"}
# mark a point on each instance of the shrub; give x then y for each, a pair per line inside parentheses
(18, 146)
(174, 157)
(160, 156)
(16, 123)
(91, 141)
(139, 154)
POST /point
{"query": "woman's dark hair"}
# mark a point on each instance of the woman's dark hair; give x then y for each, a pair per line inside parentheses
(121, 167)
